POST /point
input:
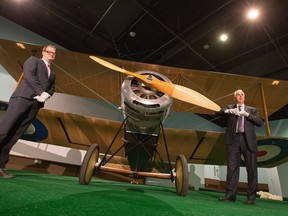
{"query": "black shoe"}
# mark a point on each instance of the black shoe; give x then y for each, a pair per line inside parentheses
(227, 199)
(5, 174)
(250, 202)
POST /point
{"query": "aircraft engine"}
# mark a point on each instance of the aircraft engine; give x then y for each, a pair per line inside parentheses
(145, 107)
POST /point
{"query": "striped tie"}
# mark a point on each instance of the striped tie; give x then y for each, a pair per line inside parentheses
(240, 122)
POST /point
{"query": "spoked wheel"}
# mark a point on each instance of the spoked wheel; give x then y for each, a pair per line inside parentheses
(182, 178)
(88, 164)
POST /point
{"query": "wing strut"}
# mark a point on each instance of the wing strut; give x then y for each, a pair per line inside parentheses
(19, 81)
(265, 110)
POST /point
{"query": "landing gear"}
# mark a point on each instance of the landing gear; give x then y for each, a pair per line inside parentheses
(182, 178)
(88, 164)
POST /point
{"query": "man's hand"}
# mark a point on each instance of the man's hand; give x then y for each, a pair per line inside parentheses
(234, 111)
(39, 99)
(243, 113)
(43, 97)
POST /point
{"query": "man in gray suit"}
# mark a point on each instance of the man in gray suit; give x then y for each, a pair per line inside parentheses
(37, 86)
(240, 138)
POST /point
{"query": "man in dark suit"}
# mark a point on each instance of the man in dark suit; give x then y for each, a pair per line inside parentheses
(240, 138)
(37, 86)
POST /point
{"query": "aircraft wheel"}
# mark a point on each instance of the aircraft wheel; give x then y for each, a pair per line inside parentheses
(182, 178)
(88, 164)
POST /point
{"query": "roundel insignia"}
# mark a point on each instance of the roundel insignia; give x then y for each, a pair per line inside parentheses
(267, 152)
(41, 132)
(36, 131)
(270, 152)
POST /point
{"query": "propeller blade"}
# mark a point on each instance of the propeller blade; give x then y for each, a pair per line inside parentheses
(191, 96)
(179, 92)
(111, 66)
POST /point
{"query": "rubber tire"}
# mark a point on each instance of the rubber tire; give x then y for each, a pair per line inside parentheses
(182, 178)
(88, 165)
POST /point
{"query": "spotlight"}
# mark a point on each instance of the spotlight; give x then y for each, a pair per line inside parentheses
(253, 14)
(223, 37)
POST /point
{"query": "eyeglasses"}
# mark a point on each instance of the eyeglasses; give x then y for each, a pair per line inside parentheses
(50, 52)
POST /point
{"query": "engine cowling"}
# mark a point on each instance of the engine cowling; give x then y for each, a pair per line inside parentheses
(145, 108)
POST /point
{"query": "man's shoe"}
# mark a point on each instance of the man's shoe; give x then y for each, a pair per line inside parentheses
(5, 174)
(250, 202)
(227, 199)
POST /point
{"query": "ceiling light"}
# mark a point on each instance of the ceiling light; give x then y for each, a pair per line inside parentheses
(223, 37)
(21, 45)
(275, 82)
(132, 34)
(19, 0)
(206, 46)
(253, 14)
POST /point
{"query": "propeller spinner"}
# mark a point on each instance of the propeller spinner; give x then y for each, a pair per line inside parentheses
(176, 91)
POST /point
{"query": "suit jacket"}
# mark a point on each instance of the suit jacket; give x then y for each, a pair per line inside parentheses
(35, 80)
(249, 125)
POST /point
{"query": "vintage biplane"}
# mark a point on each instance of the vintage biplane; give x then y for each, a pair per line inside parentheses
(87, 111)
(146, 101)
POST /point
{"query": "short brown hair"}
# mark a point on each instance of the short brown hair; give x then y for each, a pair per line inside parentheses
(45, 47)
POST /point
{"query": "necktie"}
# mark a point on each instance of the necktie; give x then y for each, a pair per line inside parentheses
(49, 70)
(240, 122)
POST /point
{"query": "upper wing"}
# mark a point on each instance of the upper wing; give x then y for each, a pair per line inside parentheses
(79, 75)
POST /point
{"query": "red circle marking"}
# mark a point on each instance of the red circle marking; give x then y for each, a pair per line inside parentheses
(261, 153)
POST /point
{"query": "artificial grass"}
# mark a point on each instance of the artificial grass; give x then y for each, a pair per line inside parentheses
(45, 194)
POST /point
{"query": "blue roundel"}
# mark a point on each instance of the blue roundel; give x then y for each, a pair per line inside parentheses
(36, 132)
(41, 131)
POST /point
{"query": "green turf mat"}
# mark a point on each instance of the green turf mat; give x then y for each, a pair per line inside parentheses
(45, 194)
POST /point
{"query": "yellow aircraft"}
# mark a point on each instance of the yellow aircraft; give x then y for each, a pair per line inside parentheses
(142, 114)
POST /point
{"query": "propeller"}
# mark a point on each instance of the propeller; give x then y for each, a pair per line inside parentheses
(176, 91)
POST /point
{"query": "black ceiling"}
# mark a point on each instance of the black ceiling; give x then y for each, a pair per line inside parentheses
(178, 33)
